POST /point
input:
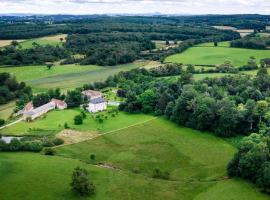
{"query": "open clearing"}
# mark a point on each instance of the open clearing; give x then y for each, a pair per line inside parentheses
(65, 77)
(49, 40)
(208, 55)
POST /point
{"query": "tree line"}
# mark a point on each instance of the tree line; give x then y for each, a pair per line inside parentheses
(252, 161)
(14, 56)
(13, 27)
(252, 42)
(11, 89)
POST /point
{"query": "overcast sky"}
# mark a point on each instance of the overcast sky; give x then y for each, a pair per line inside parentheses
(135, 6)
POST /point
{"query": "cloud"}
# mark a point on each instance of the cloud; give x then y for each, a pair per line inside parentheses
(135, 6)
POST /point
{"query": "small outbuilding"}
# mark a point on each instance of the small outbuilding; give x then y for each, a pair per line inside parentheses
(59, 104)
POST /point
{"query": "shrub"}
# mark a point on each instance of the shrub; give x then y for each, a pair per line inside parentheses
(58, 141)
(15, 145)
(49, 151)
(3, 145)
(66, 125)
(2, 122)
(34, 146)
(47, 142)
(93, 157)
(157, 173)
(83, 114)
(80, 183)
(78, 120)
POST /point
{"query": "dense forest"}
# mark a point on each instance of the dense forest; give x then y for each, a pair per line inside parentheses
(12, 56)
(10, 89)
(24, 27)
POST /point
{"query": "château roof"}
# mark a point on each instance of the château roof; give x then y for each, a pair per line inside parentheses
(91, 94)
(97, 100)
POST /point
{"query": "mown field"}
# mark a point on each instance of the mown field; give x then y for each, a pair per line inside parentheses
(206, 54)
(195, 160)
(65, 77)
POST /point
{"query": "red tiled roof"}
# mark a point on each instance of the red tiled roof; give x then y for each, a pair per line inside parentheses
(59, 102)
(29, 106)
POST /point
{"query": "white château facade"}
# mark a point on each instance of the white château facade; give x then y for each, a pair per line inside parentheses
(96, 101)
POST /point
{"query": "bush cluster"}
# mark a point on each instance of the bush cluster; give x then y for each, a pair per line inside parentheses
(31, 144)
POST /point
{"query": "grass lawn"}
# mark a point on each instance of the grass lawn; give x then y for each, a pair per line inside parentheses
(54, 121)
(43, 41)
(64, 77)
(232, 190)
(208, 55)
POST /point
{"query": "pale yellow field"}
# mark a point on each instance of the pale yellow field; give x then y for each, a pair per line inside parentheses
(6, 110)
(4, 43)
(225, 28)
(55, 38)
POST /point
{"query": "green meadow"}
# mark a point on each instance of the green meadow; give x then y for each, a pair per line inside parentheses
(125, 160)
(43, 41)
(65, 77)
(196, 77)
(53, 122)
(207, 54)
(6, 110)
(33, 176)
